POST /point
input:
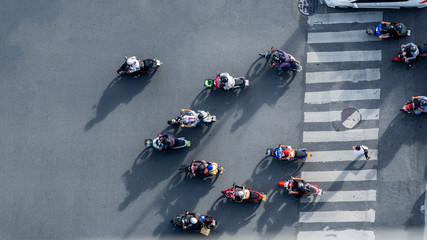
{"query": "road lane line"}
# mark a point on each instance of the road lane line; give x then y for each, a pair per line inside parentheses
(340, 37)
(339, 176)
(349, 234)
(349, 135)
(339, 156)
(341, 95)
(332, 116)
(344, 56)
(337, 216)
(349, 17)
(344, 196)
(369, 74)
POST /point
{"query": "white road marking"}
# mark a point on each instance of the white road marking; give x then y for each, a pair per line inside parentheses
(344, 56)
(337, 216)
(348, 17)
(343, 196)
(339, 176)
(369, 74)
(341, 136)
(340, 156)
(332, 116)
(349, 234)
(340, 37)
(341, 95)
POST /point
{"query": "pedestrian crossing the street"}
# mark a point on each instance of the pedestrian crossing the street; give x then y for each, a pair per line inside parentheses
(330, 93)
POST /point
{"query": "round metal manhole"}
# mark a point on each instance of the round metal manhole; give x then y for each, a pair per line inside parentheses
(350, 117)
(308, 7)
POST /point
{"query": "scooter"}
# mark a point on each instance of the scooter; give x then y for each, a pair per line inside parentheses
(215, 83)
(387, 28)
(421, 48)
(294, 154)
(202, 118)
(295, 64)
(208, 223)
(310, 189)
(181, 142)
(411, 107)
(193, 169)
(250, 195)
(147, 66)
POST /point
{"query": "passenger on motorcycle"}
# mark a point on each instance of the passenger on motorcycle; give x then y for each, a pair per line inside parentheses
(395, 30)
(241, 193)
(420, 103)
(166, 141)
(195, 222)
(227, 81)
(281, 60)
(283, 152)
(191, 118)
(297, 186)
(205, 168)
(409, 52)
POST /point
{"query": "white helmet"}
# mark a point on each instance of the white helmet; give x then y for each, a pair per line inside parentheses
(130, 62)
(240, 194)
(193, 220)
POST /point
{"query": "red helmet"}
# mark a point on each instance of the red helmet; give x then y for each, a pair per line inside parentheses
(286, 151)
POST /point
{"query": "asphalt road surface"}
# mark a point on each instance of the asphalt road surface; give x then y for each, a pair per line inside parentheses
(73, 161)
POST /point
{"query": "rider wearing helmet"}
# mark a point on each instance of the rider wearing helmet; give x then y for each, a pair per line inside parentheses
(296, 186)
(420, 103)
(280, 60)
(227, 81)
(410, 51)
(191, 118)
(166, 141)
(395, 30)
(284, 152)
(194, 222)
(241, 193)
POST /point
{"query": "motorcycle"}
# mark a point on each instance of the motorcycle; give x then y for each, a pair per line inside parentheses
(294, 154)
(147, 66)
(204, 117)
(411, 106)
(386, 29)
(250, 195)
(310, 189)
(295, 64)
(240, 82)
(181, 142)
(422, 49)
(182, 220)
(193, 169)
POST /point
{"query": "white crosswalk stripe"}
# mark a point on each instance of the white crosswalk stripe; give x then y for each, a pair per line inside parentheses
(344, 56)
(336, 235)
(356, 75)
(331, 116)
(353, 17)
(340, 37)
(341, 96)
(340, 176)
(350, 135)
(337, 216)
(339, 156)
(344, 196)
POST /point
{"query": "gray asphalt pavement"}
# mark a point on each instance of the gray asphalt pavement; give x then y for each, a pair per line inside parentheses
(72, 132)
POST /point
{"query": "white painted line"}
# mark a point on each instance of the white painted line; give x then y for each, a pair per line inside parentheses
(339, 176)
(344, 56)
(332, 116)
(337, 216)
(341, 136)
(344, 196)
(349, 234)
(355, 17)
(369, 74)
(340, 37)
(341, 95)
(340, 156)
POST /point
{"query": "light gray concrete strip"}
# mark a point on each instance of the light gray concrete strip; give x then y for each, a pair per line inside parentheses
(369, 74)
(340, 37)
(344, 56)
(348, 17)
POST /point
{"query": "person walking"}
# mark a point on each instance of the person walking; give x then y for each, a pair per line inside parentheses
(361, 149)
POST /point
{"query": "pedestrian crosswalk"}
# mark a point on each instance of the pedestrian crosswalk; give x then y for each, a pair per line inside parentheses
(335, 87)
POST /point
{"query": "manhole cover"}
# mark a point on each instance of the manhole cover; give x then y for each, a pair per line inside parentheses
(350, 117)
(308, 7)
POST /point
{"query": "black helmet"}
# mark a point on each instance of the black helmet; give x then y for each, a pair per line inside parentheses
(275, 58)
(411, 48)
(224, 79)
(200, 115)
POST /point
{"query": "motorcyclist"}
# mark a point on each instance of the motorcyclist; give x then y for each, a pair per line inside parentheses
(166, 141)
(297, 186)
(205, 168)
(227, 81)
(281, 60)
(395, 30)
(283, 152)
(420, 103)
(409, 52)
(191, 118)
(195, 222)
(241, 193)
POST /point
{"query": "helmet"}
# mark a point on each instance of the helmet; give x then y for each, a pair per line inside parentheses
(411, 48)
(200, 115)
(130, 61)
(202, 218)
(399, 27)
(286, 151)
(240, 194)
(210, 167)
(288, 185)
(275, 58)
(224, 79)
(193, 220)
(200, 167)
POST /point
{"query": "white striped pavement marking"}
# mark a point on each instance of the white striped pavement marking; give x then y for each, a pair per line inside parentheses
(349, 234)
(332, 116)
(340, 37)
(337, 216)
(336, 18)
(339, 156)
(369, 74)
(349, 135)
(339, 176)
(344, 56)
(344, 196)
(341, 95)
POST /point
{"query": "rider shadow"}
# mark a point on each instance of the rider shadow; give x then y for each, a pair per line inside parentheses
(121, 90)
(182, 194)
(263, 82)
